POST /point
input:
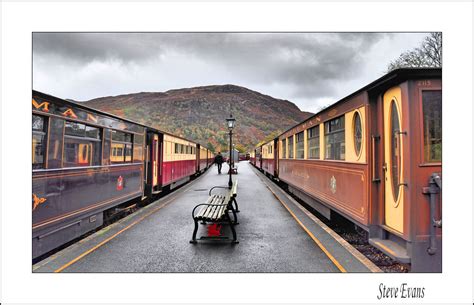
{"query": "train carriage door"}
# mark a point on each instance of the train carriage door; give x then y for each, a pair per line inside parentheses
(155, 161)
(393, 159)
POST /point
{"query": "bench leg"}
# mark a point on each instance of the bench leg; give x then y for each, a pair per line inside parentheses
(234, 234)
(235, 215)
(193, 241)
(236, 205)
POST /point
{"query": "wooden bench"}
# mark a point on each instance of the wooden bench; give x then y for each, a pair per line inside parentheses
(216, 210)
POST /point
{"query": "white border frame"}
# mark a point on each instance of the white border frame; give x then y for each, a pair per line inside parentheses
(19, 19)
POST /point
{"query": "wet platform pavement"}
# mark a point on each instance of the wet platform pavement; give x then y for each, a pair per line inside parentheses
(276, 234)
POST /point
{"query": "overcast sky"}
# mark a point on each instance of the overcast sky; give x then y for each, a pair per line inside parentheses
(309, 69)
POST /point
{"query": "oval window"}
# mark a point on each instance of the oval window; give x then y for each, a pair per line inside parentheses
(357, 133)
(395, 149)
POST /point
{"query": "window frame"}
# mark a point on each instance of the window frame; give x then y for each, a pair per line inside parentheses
(291, 152)
(317, 136)
(44, 133)
(424, 161)
(358, 153)
(332, 133)
(84, 138)
(283, 149)
(298, 143)
(125, 143)
(392, 151)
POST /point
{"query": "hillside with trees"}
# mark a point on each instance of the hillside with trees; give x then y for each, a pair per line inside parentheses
(199, 113)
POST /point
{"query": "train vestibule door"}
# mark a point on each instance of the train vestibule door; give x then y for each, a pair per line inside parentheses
(393, 159)
(155, 161)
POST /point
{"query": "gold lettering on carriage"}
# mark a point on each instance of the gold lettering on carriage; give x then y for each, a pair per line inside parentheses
(37, 201)
(70, 113)
(43, 105)
(92, 118)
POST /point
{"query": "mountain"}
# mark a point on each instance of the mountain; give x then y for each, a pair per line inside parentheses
(199, 113)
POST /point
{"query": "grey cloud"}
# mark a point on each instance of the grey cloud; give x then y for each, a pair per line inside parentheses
(86, 47)
(307, 64)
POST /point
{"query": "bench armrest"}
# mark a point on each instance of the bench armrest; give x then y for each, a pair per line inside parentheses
(217, 187)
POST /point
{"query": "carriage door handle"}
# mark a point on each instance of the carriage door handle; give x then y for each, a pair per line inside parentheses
(384, 168)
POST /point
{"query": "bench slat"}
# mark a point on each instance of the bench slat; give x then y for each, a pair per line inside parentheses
(218, 212)
(211, 212)
(214, 213)
(204, 208)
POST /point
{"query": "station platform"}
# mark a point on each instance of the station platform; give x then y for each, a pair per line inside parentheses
(276, 234)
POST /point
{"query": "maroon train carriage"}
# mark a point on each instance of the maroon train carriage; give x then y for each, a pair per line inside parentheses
(210, 158)
(203, 159)
(86, 163)
(252, 157)
(258, 157)
(270, 158)
(374, 157)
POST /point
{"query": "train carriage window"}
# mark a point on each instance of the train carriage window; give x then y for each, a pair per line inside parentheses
(122, 147)
(138, 148)
(300, 145)
(283, 148)
(92, 132)
(82, 145)
(357, 133)
(128, 153)
(176, 148)
(432, 120)
(395, 149)
(313, 143)
(290, 147)
(334, 135)
(38, 141)
(120, 136)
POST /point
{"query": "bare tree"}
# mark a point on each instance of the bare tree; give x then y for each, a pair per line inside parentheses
(428, 55)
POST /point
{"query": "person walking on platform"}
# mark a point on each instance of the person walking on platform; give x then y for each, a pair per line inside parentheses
(219, 160)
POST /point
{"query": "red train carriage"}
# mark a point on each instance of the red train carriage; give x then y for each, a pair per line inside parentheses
(252, 157)
(202, 159)
(269, 158)
(369, 157)
(179, 160)
(172, 161)
(258, 157)
(210, 158)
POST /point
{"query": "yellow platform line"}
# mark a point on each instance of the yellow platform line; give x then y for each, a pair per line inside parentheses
(315, 239)
(110, 238)
(119, 232)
